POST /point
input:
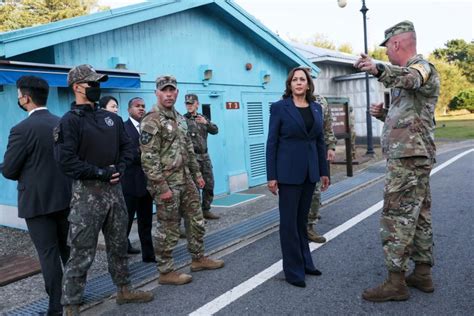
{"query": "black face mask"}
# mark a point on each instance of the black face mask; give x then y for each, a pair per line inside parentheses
(21, 106)
(93, 94)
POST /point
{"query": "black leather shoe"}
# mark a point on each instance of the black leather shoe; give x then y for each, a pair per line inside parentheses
(133, 251)
(149, 260)
(298, 283)
(313, 272)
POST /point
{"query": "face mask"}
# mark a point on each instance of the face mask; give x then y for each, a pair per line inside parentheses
(93, 94)
(21, 106)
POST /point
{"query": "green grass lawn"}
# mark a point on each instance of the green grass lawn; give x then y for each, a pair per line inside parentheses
(454, 128)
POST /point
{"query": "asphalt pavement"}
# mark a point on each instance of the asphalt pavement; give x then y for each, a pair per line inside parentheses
(351, 261)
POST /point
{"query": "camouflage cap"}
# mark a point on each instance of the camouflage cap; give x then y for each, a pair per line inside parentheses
(84, 73)
(190, 98)
(402, 27)
(164, 81)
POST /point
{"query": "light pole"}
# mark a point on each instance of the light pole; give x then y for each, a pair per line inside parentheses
(368, 117)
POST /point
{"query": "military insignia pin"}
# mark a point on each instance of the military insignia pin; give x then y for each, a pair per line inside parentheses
(109, 121)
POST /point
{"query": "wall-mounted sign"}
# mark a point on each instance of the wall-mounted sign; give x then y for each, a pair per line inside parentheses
(339, 119)
(232, 105)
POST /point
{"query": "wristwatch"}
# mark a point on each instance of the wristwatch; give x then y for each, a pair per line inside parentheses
(380, 69)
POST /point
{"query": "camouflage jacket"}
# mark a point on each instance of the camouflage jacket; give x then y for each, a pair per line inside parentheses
(409, 122)
(198, 132)
(167, 153)
(329, 137)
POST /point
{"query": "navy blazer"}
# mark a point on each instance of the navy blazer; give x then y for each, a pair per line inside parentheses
(292, 153)
(42, 187)
(134, 179)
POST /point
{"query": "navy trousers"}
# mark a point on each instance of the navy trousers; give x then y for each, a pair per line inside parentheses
(294, 203)
(143, 207)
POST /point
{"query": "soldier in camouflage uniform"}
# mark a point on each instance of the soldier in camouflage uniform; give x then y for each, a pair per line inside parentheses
(170, 165)
(331, 142)
(198, 128)
(408, 144)
(92, 147)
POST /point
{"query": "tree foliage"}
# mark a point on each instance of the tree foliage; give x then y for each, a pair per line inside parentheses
(345, 48)
(461, 53)
(19, 14)
(378, 53)
(452, 82)
(321, 40)
(463, 101)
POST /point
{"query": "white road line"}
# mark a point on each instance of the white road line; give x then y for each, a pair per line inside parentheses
(240, 290)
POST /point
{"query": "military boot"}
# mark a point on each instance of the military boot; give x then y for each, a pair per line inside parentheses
(392, 289)
(206, 263)
(71, 310)
(314, 236)
(174, 278)
(125, 296)
(421, 278)
(210, 215)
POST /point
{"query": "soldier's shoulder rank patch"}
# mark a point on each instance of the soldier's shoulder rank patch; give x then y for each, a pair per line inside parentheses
(147, 133)
(423, 69)
(145, 138)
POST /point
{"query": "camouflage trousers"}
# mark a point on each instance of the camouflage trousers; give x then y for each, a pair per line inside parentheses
(185, 204)
(406, 230)
(315, 205)
(207, 195)
(95, 205)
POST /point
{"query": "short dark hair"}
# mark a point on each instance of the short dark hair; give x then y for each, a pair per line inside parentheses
(130, 103)
(104, 100)
(35, 87)
(309, 93)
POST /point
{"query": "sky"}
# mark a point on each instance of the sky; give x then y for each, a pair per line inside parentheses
(436, 21)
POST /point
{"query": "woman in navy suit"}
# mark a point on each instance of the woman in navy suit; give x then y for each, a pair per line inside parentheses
(296, 160)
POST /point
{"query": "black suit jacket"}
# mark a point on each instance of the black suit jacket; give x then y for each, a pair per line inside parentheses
(134, 179)
(42, 187)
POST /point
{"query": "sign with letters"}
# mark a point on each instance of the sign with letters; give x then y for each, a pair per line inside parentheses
(232, 105)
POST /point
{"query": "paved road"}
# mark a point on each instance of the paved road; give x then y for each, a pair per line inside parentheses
(351, 261)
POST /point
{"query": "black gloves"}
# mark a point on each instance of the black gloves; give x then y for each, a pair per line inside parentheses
(105, 174)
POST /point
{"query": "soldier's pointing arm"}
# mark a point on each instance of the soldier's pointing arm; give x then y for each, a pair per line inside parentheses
(150, 145)
(411, 77)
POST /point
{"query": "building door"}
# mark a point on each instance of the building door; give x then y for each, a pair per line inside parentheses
(211, 105)
(257, 115)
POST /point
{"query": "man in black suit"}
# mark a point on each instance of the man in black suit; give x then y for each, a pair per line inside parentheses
(137, 198)
(44, 192)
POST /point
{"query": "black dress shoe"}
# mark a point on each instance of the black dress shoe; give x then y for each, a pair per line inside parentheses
(133, 251)
(149, 260)
(298, 283)
(313, 272)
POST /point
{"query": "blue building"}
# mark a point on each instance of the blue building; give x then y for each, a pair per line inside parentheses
(215, 49)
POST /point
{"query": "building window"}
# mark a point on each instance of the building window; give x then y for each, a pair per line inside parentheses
(206, 110)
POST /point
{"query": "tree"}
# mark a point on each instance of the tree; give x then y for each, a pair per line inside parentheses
(345, 48)
(452, 82)
(461, 53)
(464, 100)
(321, 40)
(20, 14)
(378, 53)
